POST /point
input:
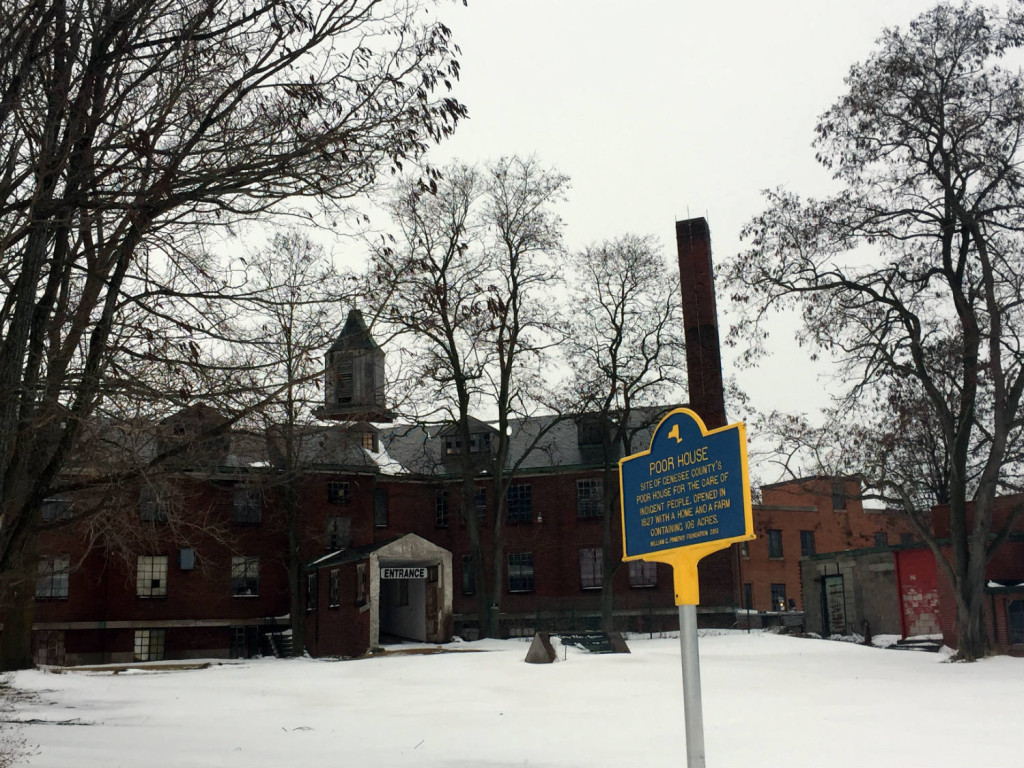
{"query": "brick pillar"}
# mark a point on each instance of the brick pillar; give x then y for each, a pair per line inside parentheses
(700, 322)
(720, 572)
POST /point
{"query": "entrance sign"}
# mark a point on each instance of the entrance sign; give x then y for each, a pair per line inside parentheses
(685, 497)
(404, 573)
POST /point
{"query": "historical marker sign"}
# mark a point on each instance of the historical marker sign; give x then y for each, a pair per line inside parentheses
(688, 495)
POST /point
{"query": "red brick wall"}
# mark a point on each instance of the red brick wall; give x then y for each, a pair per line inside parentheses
(343, 630)
(807, 505)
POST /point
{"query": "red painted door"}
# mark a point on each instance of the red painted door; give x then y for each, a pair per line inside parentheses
(919, 592)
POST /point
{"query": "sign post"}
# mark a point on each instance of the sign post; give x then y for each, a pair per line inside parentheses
(685, 497)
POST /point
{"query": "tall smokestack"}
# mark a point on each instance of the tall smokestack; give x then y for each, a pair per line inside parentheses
(719, 571)
(700, 322)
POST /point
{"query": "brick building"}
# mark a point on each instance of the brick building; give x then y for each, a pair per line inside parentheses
(385, 551)
(804, 517)
(898, 588)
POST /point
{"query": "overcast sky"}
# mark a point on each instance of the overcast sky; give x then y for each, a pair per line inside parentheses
(666, 109)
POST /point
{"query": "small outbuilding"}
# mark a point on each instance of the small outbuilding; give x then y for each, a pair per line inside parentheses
(360, 596)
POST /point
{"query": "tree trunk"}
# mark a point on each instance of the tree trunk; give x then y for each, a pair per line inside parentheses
(489, 622)
(607, 599)
(972, 634)
(297, 580)
(19, 610)
(611, 556)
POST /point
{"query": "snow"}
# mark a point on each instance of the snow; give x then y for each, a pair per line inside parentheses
(769, 700)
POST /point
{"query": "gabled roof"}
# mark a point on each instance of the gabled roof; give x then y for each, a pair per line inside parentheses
(475, 427)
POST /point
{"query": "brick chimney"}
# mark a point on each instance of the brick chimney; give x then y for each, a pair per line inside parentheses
(720, 576)
(700, 322)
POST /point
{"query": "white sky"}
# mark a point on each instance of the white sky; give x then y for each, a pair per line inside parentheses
(664, 109)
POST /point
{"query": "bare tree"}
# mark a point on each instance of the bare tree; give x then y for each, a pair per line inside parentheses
(466, 282)
(124, 132)
(627, 353)
(296, 311)
(911, 275)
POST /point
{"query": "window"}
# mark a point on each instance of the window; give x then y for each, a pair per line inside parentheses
(338, 492)
(589, 432)
(775, 543)
(369, 442)
(334, 588)
(806, 543)
(247, 505)
(339, 533)
(239, 647)
(520, 572)
(744, 549)
(480, 504)
(55, 509)
(590, 568)
(906, 539)
(881, 539)
(149, 645)
(343, 386)
(468, 576)
(1015, 621)
(589, 497)
(479, 442)
(311, 592)
(748, 596)
(839, 495)
(519, 503)
(153, 505)
(380, 508)
(441, 509)
(360, 583)
(52, 580)
(151, 576)
(643, 574)
(245, 576)
(778, 597)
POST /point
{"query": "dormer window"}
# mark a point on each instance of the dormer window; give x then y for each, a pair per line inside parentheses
(479, 442)
(589, 432)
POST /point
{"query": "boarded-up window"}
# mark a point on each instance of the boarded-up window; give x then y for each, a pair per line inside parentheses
(339, 533)
(590, 568)
(643, 574)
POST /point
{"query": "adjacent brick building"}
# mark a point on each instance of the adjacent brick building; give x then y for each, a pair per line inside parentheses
(900, 589)
(804, 517)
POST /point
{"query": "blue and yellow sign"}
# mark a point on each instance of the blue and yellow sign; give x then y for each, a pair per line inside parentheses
(685, 497)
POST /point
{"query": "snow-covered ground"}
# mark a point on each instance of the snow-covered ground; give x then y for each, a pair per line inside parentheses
(769, 700)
